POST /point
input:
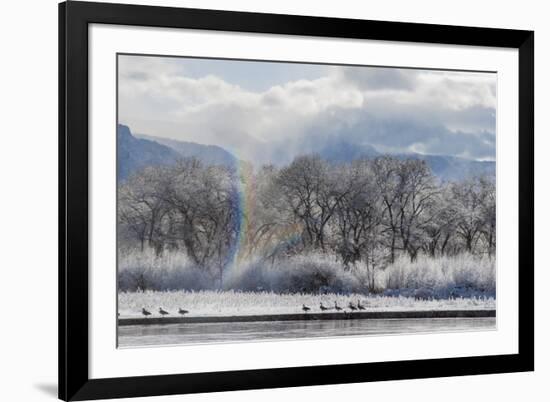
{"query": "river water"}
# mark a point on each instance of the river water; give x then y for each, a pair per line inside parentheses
(177, 334)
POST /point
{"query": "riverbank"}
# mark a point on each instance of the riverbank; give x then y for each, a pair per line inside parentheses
(311, 317)
(214, 304)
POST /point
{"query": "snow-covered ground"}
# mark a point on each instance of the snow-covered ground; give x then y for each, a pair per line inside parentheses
(231, 303)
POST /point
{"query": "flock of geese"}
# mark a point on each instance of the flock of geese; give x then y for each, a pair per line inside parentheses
(162, 312)
(351, 306)
(305, 309)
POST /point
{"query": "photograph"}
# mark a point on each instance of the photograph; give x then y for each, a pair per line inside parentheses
(262, 200)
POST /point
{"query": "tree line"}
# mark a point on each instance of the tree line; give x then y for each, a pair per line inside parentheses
(367, 210)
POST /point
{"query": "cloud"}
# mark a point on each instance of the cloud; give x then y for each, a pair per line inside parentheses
(376, 78)
(397, 110)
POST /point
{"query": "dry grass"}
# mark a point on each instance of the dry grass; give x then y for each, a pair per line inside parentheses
(224, 303)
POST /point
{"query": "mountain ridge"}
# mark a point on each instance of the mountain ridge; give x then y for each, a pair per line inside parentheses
(208, 154)
(134, 154)
(141, 150)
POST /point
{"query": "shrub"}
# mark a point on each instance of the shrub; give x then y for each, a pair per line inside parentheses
(463, 275)
(318, 273)
(310, 273)
(171, 271)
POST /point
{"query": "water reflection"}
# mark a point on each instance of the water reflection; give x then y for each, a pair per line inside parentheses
(171, 334)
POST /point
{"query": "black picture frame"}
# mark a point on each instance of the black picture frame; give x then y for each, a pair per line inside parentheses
(74, 18)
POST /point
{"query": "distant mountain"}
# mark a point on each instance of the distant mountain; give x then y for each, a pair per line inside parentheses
(342, 151)
(448, 168)
(134, 153)
(208, 154)
(452, 168)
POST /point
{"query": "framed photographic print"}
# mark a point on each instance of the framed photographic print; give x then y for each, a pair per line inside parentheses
(257, 200)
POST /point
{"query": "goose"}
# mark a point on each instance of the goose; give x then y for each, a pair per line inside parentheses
(182, 311)
(163, 312)
(351, 306)
(360, 306)
(323, 308)
(337, 307)
(305, 308)
(145, 312)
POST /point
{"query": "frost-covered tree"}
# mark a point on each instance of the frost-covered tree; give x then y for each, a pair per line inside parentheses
(386, 170)
(468, 198)
(358, 212)
(363, 214)
(488, 213)
(142, 209)
(408, 192)
(440, 231)
(205, 202)
(416, 200)
(307, 186)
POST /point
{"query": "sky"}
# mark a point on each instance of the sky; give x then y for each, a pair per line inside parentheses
(268, 112)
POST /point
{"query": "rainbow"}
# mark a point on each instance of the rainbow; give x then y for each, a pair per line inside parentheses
(246, 194)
